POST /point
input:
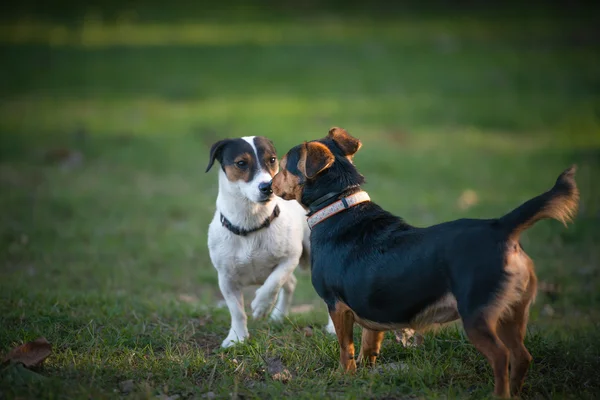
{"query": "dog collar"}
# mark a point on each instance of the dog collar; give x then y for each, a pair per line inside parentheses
(314, 206)
(338, 206)
(243, 232)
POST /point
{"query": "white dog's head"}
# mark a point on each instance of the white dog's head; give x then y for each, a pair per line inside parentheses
(249, 163)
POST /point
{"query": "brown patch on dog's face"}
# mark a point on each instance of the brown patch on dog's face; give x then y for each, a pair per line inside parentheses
(285, 184)
(303, 162)
(240, 169)
(267, 156)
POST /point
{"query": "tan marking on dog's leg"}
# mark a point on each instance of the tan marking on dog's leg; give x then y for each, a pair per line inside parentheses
(512, 332)
(343, 320)
(481, 331)
(370, 345)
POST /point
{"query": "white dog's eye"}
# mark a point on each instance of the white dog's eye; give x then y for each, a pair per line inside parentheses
(273, 160)
(241, 164)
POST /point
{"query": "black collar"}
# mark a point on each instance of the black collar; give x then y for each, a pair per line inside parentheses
(325, 200)
(243, 232)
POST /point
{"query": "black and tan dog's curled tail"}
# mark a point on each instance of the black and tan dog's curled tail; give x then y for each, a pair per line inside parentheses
(560, 203)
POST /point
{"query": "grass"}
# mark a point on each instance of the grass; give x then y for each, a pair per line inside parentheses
(105, 127)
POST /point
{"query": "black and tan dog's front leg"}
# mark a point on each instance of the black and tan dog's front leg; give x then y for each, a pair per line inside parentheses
(343, 321)
(370, 345)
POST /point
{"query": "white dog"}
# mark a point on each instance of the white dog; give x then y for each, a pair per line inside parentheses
(255, 238)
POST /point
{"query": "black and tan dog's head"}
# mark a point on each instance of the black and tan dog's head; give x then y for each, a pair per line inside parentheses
(310, 170)
(249, 164)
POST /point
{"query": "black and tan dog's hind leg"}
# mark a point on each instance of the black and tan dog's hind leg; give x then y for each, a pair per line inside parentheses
(498, 330)
(511, 330)
(481, 331)
(370, 346)
(343, 321)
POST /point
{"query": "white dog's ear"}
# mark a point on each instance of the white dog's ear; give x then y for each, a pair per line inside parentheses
(216, 152)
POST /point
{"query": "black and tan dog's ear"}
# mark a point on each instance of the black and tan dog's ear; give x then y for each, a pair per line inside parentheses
(348, 144)
(216, 152)
(316, 158)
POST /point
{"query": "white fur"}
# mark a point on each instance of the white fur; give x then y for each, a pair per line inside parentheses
(267, 257)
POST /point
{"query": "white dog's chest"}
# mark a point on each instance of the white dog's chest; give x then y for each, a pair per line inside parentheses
(248, 260)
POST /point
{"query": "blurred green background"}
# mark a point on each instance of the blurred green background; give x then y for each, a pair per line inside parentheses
(108, 109)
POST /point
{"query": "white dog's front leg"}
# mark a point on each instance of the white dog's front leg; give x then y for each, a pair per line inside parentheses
(235, 302)
(284, 301)
(267, 294)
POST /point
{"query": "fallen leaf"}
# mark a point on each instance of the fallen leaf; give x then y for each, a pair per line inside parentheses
(126, 386)
(30, 354)
(277, 370)
(302, 308)
(467, 199)
(308, 331)
(409, 338)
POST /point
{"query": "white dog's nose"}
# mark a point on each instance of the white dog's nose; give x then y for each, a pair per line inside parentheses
(265, 187)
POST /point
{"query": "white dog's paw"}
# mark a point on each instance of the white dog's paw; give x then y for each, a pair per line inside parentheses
(277, 315)
(232, 339)
(262, 304)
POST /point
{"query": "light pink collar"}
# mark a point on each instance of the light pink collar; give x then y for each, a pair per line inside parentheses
(338, 206)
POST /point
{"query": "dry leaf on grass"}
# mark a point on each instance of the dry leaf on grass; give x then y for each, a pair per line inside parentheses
(277, 370)
(308, 331)
(409, 338)
(30, 354)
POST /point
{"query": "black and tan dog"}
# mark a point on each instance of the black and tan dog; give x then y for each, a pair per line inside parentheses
(374, 269)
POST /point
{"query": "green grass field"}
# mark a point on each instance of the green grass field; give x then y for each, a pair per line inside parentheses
(105, 127)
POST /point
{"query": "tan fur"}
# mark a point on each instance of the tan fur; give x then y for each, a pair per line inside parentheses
(348, 144)
(370, 346)
(562, 207)
(343, 321)
(440, 312)
(315, 158)
(286, 185)
(234, 173)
